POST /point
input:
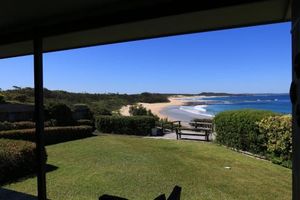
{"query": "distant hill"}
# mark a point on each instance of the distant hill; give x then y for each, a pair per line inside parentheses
(97, 102)
(217, 94)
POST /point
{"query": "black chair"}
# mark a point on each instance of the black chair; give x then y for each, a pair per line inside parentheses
(175, 195)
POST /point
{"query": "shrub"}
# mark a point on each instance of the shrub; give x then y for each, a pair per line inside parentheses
(140, 110)
(239, 129)
(2, 98)
(24, 125)
(147, 97)
(4, 126)
(17, 159)
(82, 111)
(102, 111)
(53, 135)
(21, 98)
(279, 138)
(85, 122)
(131, 125)
(135, 110)
(61, 113)
(208, 120)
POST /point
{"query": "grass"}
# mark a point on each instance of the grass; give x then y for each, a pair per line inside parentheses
(139, 168)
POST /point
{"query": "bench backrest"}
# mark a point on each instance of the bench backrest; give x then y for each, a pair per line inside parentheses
(202, 124)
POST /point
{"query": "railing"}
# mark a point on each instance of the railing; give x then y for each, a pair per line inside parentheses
(171, 125)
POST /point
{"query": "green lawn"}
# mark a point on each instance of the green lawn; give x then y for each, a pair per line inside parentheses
(138, 168)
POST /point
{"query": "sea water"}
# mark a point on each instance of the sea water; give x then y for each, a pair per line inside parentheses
(210, 106)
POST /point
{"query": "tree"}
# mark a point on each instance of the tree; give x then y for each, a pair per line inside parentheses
(17, 87)
(103, 111)
(135, 110)
(21, 98)
(140, 110)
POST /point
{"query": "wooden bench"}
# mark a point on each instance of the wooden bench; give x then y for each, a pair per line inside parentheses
(171, 125)
(201, 124)
(199, 129)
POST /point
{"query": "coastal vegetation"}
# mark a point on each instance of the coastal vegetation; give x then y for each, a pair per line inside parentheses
(129, 125)
(143, 168)
(260, 132)
(162, 123)
(278, 131)
(140, 110)
(2, 98)
(99, 103)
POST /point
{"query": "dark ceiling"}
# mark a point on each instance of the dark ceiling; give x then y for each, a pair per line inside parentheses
(66, 24)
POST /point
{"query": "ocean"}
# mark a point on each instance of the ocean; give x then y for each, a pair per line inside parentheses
(210, 106)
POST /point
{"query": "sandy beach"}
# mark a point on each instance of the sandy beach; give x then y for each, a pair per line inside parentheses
(157, 107)
(170, 109)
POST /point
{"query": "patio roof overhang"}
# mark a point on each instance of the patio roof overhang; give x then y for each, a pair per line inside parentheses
(34, 27)
(65, 24)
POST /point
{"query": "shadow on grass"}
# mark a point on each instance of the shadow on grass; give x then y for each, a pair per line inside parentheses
(49, 141)
(49, 168)
(13, 195)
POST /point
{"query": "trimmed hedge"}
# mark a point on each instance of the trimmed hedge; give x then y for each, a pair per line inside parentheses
(278, 130)
(53, 135)
(239, 129)
(17, 159)
(5, 126)
(24, 125)
(130, 125)
(85, 122)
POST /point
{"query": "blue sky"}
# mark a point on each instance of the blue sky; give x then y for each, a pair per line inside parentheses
(245, 60)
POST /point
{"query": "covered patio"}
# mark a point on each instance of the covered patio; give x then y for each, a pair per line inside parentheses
(37, 27)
